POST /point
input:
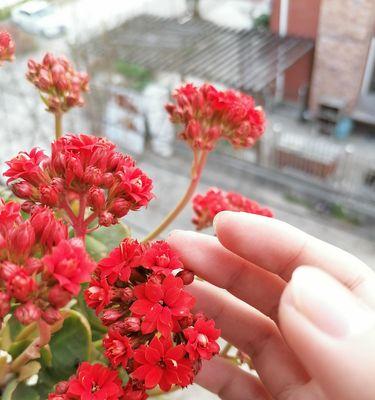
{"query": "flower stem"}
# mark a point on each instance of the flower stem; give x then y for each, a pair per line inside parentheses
(58, 125)
(33, 350)
(197, 167)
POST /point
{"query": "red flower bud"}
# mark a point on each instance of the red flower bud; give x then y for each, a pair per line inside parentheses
(119, 207)
(110, 316)
(23, 190)
(96, 198)
(49, 195)
(4, 304)
(21, 285)
(58, 296)
(27, 206)
(125, 294)
(27, 313)
(186, 276)
(92, 175)
(107, 219)
(8, 270)
(51, 315)
(132, 324)
(108, 179)
(62, 387)
(22, 239)
(33, 265)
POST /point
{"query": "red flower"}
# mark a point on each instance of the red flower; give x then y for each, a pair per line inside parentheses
(97, 295)
(69, 264)
(202, 340)
(160, 258)
(95, 382)
(117, 348)
(9, 214)
(7, 47)
(209, 115)
(60, 85)
(28, 166)
(162, 364)
(161, 305)
(121, 260)
(216, 200)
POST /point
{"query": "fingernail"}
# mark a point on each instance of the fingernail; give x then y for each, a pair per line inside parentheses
(328, 304)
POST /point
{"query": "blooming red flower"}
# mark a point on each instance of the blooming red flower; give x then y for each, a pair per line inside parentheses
(94, 382)
(69, 264)
(121, 261)
(97, 295)
(209, 115)
(7, 47)
(61, 87)
(118, 348)
(160, 258)
(161, 305)
(162, 364)
(202, 340)
(216, 200)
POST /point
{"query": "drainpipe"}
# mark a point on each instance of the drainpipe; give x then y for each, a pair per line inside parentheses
(283, 31)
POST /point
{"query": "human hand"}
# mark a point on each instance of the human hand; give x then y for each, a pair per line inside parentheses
(302, 309)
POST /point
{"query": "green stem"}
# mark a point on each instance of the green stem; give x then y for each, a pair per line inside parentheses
(58, 125)
(197, 167)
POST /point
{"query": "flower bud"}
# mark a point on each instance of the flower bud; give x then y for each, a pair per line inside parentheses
(48, 60)
(27, 313)
(106, 219)
(21, 285)
(108, 179)
(22, 239)
(125, 294)
(49, 195)
(58, 296)
(132, 324)
(119, 207)
(62, 387)
(92, 176)
(4, 304)
(96, 198)
(33, 265)
(27, 206)
(108, 317)
(7, 47)
(23, 190)
(186, 276)
(51, 315)
(8, 270)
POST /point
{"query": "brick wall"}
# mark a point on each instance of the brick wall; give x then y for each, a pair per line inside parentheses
(344, 34)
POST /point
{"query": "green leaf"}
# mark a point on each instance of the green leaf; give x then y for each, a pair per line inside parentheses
(70, 345)
(100, 242)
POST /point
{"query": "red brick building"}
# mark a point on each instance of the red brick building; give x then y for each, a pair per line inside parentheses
(342, 65)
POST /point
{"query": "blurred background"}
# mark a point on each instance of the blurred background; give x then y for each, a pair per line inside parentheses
(309, 63)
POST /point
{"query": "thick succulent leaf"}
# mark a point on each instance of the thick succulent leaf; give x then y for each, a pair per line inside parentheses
(101, 241)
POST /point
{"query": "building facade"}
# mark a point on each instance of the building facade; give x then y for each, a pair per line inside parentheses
(341, 69)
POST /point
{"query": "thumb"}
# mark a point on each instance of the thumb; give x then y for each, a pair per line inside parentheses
(332, 332)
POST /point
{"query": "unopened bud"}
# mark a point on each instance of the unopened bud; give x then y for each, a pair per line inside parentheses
(58, 296)
(132, 324)
(110, 316)
(27, 313)
(186, 276)
(96, 198)
(23, 190)
(107, 219)
(51, 315)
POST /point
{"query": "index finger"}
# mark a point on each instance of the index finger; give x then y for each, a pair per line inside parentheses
(281, 248)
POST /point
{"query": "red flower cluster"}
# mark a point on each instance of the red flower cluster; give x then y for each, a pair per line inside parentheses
(38, 287)
(60, 85)
(84, 168)
(91, 382)
(209, 115)
(152, 333)
(7, 47)
(216, 200)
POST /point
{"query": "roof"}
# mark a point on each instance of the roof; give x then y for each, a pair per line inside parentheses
(247, 59)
